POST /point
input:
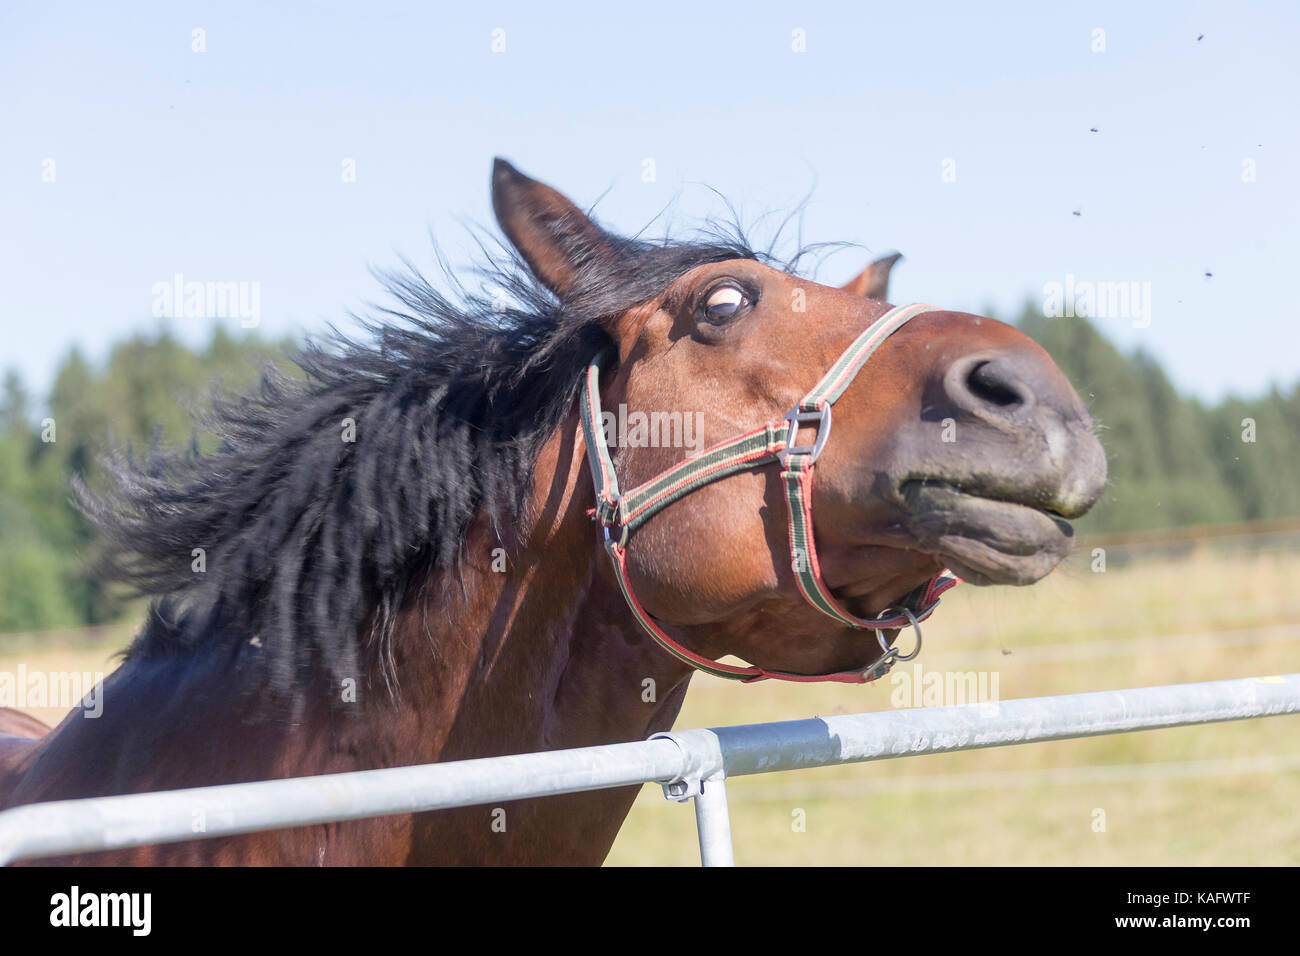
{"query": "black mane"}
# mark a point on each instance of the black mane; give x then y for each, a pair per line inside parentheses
(307, 537)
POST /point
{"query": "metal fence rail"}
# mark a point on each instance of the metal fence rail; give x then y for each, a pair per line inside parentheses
(691, 764)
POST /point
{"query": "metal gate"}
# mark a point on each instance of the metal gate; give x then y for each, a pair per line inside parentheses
(690, 764)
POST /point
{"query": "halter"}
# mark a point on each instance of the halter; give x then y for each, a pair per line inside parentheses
(619, 514)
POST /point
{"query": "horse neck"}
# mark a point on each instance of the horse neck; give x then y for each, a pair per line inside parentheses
(539, 650)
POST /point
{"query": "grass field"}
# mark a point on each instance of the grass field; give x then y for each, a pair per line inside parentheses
(1215, 795)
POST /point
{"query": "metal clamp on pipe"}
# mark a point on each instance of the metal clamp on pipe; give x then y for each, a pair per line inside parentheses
(701, 759)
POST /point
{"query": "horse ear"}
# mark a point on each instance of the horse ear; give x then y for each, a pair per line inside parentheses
(553, 235)
(873, 281)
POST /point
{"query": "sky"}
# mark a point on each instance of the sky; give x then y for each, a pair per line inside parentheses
(1001, 147)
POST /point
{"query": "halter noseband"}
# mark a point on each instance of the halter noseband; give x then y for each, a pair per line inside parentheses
(619, 514)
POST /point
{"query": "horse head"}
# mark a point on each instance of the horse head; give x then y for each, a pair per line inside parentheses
(959, 444)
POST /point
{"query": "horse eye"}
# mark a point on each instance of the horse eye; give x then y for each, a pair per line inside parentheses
(725, 302)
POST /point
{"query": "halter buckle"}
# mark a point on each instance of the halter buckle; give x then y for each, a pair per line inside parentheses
(797, 417)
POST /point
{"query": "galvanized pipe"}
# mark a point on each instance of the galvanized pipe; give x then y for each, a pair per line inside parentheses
(825, 741)
(692, 755)
(100, 823)
(713, 821)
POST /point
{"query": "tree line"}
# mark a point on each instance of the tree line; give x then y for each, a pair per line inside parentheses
(1173, 459)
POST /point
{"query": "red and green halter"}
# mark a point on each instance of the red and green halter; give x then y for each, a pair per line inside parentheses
(619, 514)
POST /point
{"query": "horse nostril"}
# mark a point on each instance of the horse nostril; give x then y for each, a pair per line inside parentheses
(990, 384)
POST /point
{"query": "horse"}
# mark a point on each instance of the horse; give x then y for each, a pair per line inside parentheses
(438, 544)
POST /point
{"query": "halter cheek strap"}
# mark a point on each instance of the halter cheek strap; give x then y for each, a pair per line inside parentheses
(621, 513)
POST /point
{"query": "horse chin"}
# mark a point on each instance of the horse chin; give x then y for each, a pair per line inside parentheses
(986, 540)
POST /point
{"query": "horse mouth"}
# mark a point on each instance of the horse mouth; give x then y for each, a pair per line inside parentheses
(988, 535)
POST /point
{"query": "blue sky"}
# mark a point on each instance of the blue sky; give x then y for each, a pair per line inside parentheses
(226, 165)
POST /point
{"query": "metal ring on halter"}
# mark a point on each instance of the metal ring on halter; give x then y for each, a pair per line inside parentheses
(881, 667)
(880, 637)
(609, 540)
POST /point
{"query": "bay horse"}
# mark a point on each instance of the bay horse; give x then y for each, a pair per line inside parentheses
(426, 549)
(17, 727)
